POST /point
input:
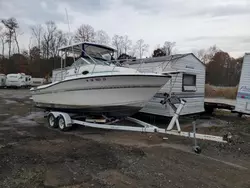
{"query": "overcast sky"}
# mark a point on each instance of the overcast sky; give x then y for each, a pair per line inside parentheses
(192, 24)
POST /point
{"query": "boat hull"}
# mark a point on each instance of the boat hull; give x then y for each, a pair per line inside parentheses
(116, 95)
(109, 111)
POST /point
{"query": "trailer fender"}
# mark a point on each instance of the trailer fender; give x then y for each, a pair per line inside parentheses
(66, 117)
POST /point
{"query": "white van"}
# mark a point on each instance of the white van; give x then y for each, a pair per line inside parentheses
(15, 80)
(2, 80)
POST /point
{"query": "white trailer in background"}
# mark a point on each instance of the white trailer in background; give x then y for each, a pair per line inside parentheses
(28, 81)
(15, 80)
(243, 95)
(37, 81)
(2, 80)
(188, 84)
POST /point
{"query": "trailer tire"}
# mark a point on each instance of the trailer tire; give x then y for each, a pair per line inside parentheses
(62, 123)
(52, 121)
(197, 149)
(209, 110)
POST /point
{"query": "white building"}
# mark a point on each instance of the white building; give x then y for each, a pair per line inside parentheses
(188, 85)
(243, 95)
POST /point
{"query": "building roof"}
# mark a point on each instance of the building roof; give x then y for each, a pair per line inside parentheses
(165, 58)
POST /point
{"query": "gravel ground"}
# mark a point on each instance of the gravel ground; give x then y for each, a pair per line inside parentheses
(33, 155)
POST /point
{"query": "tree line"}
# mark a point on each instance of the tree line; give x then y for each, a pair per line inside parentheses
(42, 55)
(46, 38)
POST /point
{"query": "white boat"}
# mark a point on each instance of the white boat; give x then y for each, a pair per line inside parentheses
(93, 86)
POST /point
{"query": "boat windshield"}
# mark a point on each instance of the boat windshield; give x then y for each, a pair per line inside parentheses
(88, 61)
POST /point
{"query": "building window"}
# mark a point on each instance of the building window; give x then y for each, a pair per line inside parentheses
(189, 82)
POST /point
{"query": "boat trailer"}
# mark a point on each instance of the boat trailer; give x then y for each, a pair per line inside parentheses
(64, 121)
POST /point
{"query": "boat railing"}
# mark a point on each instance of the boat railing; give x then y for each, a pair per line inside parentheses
(61, 74)
(137, 62)
(116, 63)
(123, 62)
(164, 63)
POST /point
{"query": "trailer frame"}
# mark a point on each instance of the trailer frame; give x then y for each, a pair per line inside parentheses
(64, 121)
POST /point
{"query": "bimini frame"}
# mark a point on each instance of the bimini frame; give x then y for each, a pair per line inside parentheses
(78, 50)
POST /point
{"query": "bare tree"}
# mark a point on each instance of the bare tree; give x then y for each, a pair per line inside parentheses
(205, 55)
(3, 39)
(48, 36)
(201, 54)
(101, 37)
(126, 44)
(11, 25)
(58, 40)
(25, 53)
(168, 47)
(141, 47)
(13, 49)
(85, 33)
(37, 31)
(133, 51)
(210, 52)
(17, 44)
(117, 42)
(43, 50)
(69, 37)
(34, 53)
(30, 44)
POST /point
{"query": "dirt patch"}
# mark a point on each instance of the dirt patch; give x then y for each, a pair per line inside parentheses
(71, 162)
(33, 155)
(115, 178)
(28, 120)
(9, 101)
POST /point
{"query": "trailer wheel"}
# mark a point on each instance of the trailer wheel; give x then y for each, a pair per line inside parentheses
(209, 110)
(197, 149)
(52, 121)
(62, 123)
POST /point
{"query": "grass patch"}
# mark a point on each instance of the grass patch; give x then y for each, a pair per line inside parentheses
(221, 92)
